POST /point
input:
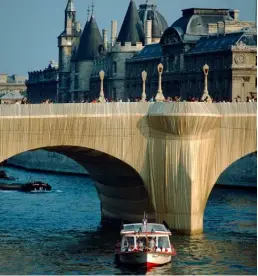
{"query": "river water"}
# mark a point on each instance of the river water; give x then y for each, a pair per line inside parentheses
(60, 232)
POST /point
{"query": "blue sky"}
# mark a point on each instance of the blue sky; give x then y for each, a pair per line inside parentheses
(30, 28)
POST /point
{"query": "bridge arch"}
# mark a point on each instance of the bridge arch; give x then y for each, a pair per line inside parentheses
(120, 188)
(223, 192)
(245, 167)
(227, 168)
(224, 168)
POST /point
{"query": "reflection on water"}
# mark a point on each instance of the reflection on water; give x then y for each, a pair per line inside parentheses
(60, 232)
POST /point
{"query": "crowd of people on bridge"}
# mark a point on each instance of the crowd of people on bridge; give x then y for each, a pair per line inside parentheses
(179, 99)
(250, 98)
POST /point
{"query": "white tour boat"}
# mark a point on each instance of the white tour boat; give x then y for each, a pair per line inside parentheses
(145, 244)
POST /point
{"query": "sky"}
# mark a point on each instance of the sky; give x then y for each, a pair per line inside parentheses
(30, 28)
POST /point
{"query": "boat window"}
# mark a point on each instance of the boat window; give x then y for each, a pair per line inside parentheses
(141, 242)
(163, 242)
(151, 242)
(151, 227)
(129, 227)
(128, 242)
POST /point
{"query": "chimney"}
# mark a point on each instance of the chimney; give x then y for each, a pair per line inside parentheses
(148, 32)
(78, 26)
(234, 14)
(104, 35)
(113, 32)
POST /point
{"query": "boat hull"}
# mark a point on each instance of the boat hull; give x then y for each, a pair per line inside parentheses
(148, 259)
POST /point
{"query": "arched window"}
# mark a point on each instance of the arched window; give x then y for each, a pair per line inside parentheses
(114, 67)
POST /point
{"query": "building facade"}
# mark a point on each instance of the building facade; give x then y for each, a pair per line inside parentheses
(213, 36)
(12, 84)
(232, 66)
(43, 85)
(201, 36)
(139, 28)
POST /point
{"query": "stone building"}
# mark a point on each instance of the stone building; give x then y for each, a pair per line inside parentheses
(12, 83)
(11, 98)
(200, 36)
(66, 41)
(139, 28)
(232, 66)
(42, 85)
(213, 36)
(90, 46)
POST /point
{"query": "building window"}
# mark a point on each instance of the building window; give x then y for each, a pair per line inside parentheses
(76, 82)
(68, 82)
(114, 67)
(114, 94)
(76, 67)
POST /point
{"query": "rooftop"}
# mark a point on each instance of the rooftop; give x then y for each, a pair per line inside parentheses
(132, 28)
(91, 42)
(224, 42)
(139, 227)
(195, 21)
(150, 12)
(204, 11)
(149, 51)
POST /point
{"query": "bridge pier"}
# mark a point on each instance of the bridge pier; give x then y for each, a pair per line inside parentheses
(182, 156)
(181, 185)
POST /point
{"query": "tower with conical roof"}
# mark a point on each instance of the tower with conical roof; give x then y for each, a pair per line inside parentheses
(90, 47)
(129, 41)
(65, 42)
(132, 28)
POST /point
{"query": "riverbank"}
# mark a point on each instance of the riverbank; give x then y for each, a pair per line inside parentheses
(46, 170)
(46, 161)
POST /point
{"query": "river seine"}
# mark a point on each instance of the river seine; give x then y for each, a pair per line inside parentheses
(60, 232)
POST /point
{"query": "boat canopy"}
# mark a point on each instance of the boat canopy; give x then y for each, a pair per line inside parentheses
(142, 228)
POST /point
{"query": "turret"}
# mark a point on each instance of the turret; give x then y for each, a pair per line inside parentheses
(70, 17)
(132, 28)
(65, 42)
(91, 42)
(91, 46)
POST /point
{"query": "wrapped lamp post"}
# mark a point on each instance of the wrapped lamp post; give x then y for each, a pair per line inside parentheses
(160, 97)
(101, 95)
(206, 97)
(144, 77)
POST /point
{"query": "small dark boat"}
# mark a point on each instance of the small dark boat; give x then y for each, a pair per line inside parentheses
(35, 186)
(5, 176)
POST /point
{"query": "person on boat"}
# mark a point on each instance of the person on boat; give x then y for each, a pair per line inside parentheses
(152, 243)
(126, 244)
(140, 244)
(117, 246)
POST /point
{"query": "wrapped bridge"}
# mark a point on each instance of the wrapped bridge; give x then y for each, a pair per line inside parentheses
(162, 158)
